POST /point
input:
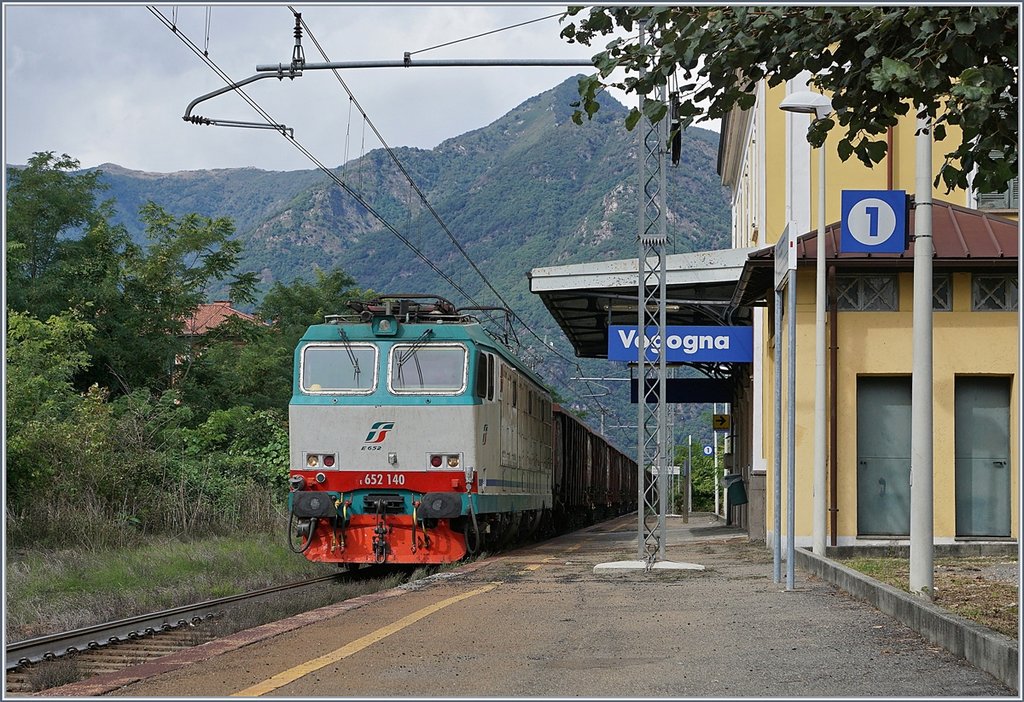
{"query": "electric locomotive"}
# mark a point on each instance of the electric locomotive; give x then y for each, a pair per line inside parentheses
(415, 437)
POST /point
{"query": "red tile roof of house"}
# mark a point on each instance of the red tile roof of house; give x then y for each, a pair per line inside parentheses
(212, 315)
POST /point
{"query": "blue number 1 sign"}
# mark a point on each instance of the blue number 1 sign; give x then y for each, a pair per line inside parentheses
(874, 221)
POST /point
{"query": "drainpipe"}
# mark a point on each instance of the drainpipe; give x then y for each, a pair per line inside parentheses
(833, 429)
(888, 159)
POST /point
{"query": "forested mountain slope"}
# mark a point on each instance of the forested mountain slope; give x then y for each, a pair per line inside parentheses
(531, 189)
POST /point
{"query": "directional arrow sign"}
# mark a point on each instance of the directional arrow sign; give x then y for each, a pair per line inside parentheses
(720, 421)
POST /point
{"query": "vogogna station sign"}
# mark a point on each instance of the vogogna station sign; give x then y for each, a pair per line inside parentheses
(700, 344)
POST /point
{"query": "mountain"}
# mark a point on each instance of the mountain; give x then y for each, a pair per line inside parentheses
(531, 189)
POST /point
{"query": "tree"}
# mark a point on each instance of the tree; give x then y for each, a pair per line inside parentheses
(956, 65)
(295, 306)
(42, 357)
(242, 364)
(46, 203)
(140, 304)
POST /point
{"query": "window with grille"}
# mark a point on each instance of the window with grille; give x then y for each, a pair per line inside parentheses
(867, 293)
(942, 293)
(994, 293)
(1009, 199)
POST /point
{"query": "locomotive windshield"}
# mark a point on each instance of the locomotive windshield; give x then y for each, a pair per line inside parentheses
(429, 368)
(348, 368)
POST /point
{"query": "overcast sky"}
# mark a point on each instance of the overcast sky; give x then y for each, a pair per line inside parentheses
(110, 83)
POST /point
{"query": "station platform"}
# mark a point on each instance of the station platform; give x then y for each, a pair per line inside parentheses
(539, 621)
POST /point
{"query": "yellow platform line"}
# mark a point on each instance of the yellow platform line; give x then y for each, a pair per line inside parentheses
(293, 674)
(535, 566)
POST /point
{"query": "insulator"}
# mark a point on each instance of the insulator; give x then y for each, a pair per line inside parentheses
(198, 119)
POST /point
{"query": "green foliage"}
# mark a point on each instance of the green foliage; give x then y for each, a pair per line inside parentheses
(955, 65)
(45, 202)
(244, 444)
(296, 306)
(42, 358)
(96, 419)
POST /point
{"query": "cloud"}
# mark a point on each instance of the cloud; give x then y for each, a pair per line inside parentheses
(110, 83)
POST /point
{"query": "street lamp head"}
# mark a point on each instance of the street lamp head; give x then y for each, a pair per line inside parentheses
(807, 102)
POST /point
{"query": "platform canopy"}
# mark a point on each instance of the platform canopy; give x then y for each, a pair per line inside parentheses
(585, 298)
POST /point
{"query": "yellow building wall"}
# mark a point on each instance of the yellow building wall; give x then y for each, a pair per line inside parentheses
(881, 343)
(872, 343)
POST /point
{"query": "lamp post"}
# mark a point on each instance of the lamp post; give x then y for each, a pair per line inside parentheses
(821, 107)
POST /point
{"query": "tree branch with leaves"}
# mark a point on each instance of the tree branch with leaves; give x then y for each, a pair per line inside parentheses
(955, 65)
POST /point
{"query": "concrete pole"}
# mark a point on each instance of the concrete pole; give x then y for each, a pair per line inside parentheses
(791, 440)
(818, 534)
(921, 449)
(777, 460)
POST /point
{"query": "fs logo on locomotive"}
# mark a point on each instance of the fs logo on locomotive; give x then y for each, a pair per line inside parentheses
(378, 432)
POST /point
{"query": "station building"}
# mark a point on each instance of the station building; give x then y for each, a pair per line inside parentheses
(772, 172)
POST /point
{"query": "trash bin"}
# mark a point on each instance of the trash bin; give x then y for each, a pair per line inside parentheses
(735, 493)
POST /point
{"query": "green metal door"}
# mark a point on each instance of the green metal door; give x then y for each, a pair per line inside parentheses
(982, 437)
(883, 456)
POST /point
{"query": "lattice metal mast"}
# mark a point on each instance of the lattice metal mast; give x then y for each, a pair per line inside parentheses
(651, 373)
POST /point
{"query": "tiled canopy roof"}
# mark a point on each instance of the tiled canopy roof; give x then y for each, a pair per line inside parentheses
(964, 239)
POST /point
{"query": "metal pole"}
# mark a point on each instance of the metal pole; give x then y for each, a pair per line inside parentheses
(714, 411)
(791, 441)
(818, 538)
(921, 449)
(689, 474)
(410, 62)
(777, 472)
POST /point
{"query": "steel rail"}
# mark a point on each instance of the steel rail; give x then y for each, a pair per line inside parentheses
(91, 637)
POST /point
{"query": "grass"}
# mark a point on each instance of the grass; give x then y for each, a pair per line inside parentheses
(49, 591)
(62, 671)
(963, 585)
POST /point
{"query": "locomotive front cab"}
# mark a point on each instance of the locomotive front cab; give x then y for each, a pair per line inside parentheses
(383, 423)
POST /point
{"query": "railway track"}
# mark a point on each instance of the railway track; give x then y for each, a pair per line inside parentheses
(108, 647)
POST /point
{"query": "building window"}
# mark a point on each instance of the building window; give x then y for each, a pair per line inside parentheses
(1008, 199)
(994, 293)
(942, 293)
(867, 293)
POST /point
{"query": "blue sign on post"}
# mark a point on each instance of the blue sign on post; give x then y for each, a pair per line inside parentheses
(874, 221)
(704, 344)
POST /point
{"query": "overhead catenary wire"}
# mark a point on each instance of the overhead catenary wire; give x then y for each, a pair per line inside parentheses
(204, 55)
(423, 198)
(484, 34)
(309, 155)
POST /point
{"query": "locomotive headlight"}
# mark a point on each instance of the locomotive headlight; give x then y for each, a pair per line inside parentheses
(453, 461)
(312, 461)
(435, 461)
(329, 460)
